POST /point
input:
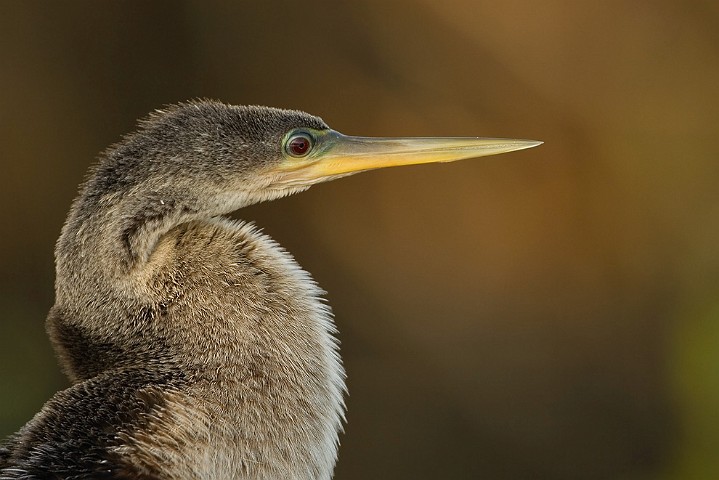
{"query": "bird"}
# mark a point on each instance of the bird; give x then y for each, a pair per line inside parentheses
(196, 347)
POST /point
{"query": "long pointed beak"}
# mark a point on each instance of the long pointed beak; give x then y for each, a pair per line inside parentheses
(335, 154)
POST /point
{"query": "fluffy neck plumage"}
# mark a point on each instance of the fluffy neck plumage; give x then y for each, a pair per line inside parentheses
(237, 315)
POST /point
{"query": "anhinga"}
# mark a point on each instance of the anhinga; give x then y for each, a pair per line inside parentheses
(196, 346)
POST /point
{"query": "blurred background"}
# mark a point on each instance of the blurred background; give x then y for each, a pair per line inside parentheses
(546, 314)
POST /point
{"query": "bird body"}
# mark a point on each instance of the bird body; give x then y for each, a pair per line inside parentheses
(196, 346)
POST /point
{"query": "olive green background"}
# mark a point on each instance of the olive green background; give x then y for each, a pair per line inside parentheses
(546, 314)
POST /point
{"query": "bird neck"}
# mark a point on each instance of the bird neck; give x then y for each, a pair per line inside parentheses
(221, 302)
(119, 232)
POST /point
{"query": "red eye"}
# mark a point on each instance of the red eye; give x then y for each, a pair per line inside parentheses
(299, 145)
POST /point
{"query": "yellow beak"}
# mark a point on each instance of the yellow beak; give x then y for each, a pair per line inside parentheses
(334, 154)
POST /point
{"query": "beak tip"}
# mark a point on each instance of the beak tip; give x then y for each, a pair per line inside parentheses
(525, 144)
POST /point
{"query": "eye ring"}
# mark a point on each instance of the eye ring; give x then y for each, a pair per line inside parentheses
(299, 144)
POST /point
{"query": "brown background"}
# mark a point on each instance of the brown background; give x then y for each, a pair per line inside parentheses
(547, 314)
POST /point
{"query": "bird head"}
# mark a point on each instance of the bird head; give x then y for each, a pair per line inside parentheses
(244, 155)
(204, 158)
